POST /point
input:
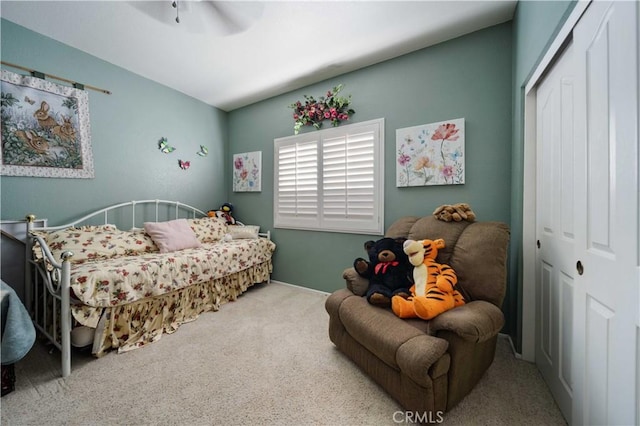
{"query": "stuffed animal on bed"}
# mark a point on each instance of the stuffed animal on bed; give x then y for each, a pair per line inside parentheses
(224, 212)
(388, 270)
(434, 290)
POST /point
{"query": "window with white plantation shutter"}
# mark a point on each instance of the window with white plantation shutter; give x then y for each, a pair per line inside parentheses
(331, 180)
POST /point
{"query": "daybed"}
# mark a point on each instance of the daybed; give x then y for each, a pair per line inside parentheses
(124, 289)
(429, 366)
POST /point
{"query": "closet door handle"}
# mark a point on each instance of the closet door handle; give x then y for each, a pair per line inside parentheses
(579, 268)
(538, 243)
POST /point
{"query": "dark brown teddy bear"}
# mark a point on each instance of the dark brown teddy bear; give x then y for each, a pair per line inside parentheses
(388, 270)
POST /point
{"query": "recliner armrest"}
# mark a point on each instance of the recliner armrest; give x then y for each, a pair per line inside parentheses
(357, 284)
(335, 299)
(476, 321)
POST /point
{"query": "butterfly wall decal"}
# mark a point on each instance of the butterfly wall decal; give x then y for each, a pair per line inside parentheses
(203, 151)
(164, 146)
(184, 165)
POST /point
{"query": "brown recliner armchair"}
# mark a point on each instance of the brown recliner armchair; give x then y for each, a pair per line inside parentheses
(429, 366)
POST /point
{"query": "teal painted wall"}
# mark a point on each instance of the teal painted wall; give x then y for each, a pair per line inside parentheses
(480, 77)
(535, 24)
(467, 77)
(125, 128)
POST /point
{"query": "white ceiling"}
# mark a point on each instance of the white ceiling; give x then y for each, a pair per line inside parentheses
(231, 54)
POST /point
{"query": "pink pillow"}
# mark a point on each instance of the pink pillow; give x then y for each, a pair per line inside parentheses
(172, 235)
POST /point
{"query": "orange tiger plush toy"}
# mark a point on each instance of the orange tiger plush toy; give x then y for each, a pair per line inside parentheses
(434, 290)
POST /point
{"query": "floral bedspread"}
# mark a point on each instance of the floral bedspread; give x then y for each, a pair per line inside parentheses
(122, 280)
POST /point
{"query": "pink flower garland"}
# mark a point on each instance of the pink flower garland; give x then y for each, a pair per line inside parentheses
(313, 112)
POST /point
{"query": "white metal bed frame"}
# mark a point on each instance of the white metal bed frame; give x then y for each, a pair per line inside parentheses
(57, 281)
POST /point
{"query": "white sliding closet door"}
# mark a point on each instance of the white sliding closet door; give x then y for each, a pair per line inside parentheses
(606, 199)
(555, 260)
(587, 224)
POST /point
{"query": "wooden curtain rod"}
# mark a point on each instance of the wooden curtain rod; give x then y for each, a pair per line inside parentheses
(31, 71)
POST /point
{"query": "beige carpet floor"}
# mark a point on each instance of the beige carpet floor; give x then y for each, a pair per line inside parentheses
(264, 359)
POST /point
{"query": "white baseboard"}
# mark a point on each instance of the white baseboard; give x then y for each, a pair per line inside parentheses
(300, 287)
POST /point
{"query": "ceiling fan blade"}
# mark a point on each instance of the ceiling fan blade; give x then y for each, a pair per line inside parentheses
(159, 10)
(236, 17)
(220, 18)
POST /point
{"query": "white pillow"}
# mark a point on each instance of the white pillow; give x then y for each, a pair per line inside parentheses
(247, 232)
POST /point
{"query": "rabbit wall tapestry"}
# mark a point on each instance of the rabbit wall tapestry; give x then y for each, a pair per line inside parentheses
(430, 154)
(45, 129)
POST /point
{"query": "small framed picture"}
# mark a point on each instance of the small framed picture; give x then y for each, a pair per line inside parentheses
(247, 172)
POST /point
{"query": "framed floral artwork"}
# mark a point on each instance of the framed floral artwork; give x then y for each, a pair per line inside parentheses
(430, 154)
(247, 172)
(45, 129)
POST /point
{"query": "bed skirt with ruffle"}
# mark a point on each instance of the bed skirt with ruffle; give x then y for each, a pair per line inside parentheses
(136, 324)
